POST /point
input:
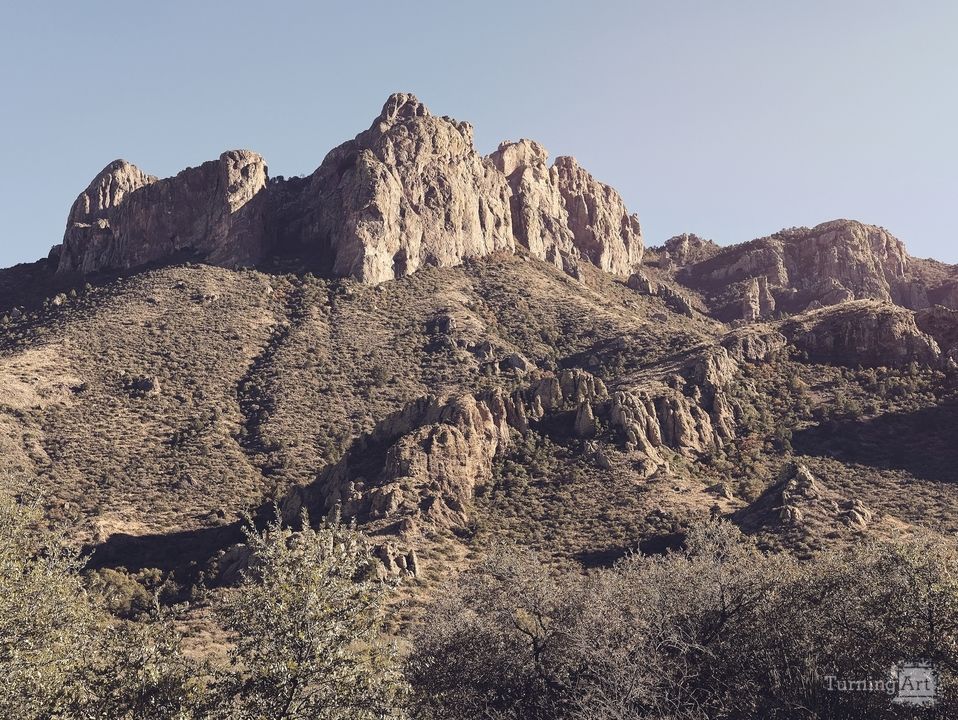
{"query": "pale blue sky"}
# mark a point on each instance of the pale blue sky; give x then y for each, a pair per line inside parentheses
(729, 119)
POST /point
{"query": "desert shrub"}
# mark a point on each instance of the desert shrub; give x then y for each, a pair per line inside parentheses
(122, 593)
(46, 619)
(61, 654)
(716, 630)
(305, 624)
(496, 646)
(305, 629)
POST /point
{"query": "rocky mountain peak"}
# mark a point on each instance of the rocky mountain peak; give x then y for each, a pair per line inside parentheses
(410, 192)
(106, 191)
(805, 268)
(684, 249)
(512, 157)
(401, 106)
(126, 218)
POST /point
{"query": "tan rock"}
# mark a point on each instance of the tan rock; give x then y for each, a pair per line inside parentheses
(758, 301)
(686, 249)
(584, 421)
(127, 219)
(862, 332)
(809, 267)
(641, 284)
(539, 217)
(409, 192)
(603, 230)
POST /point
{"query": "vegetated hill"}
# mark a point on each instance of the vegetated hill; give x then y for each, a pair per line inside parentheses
(455, 351)
(171, 401)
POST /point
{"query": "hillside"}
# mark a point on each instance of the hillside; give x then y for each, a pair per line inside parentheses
(456, 351)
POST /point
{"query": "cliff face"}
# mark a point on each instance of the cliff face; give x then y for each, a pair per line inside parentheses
(562, 214)
(866, 333)
(412, 191)
(806, 268)
(539, 217)
(603, 230)
(126, 218)
(409, 192)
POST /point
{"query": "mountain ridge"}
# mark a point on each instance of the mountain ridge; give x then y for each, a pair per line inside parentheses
(412, 191)
(447, 348)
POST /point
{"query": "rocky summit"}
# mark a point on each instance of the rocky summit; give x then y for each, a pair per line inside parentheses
(457, 353)
(409, 192)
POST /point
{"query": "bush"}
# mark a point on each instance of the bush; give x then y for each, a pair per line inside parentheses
(61, 654)
(717, 630)
(305, 625)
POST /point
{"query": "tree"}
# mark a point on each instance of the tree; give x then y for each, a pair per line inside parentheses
(305, 625)
(47, 622)
(496, 644)
(718, 629)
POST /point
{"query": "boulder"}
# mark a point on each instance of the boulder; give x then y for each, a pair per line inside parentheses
(641, 284)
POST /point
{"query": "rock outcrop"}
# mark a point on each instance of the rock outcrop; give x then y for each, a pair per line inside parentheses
(758, 301)
(685, 249)
(420, 466)
(604, 231)
(539, 217)
(126, 219)
(562, 213)
(801, 503)
(418, 470)
(794, 270)
(409, 192)
(941, 323)
(862, 332)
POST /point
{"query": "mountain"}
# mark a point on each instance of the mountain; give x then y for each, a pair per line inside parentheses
(409, 192)
(805, 268)
(453, 350)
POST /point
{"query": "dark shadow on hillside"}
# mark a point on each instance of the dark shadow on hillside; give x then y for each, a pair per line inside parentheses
(27, 285)
(175, 551)
(651, 545)
(922, 443)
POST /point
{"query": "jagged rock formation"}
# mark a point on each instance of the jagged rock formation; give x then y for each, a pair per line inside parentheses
(126, 219)
(801, 502)
(758, 301)
(676, 301)
(682, 250)
(641, 284)
(862, 332)
(409, 192)
(941, 323)
(420, 467)
(539, 217)
(604, 231)
(794, 270)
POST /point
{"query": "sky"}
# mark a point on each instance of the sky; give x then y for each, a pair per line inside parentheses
(728, 119)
